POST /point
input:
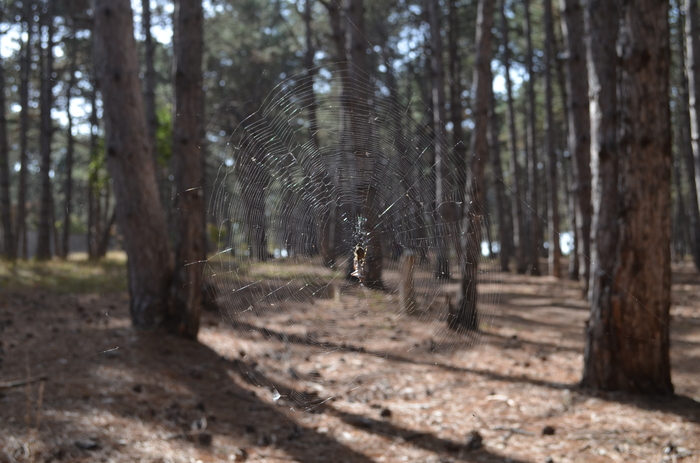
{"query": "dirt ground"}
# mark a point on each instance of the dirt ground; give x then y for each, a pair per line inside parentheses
(260, 391)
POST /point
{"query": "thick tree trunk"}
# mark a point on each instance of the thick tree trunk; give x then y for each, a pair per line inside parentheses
(554, 251)
(68, 185)
(139, 211)
(445, 214)
(187, 164)
(8, 234)
(43, 248)
(691, 87)
(515, 169)
(25, 69)
(579, 130)
(467, 317)
(532, 150)
(627, 339)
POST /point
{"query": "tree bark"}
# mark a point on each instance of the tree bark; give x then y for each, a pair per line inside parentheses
(515, 169)
(187, 166)
(691, 123)
(25, 71)
(467, 317)
(554, 251)
(572, 26)
(10, 249)
(532, 149)
(627, 339)
(139, 212)
(43, 248)
(445, 214)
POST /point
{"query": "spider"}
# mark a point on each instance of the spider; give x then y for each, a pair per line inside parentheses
(358, 263)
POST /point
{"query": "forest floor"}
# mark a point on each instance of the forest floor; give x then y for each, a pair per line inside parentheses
(106, 393)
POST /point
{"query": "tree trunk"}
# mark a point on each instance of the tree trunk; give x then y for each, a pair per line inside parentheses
(327, 217)
(569, 199)
(187, 164)
(627, 339)
(579, 130)
(8, 234)
(532, 150)
(459, 150)
(504, 225)
(93, 218)
(68, 188)
(43, 248)
(445, 214)
(21, 225)
(515, 170)
(149, 81)
(554, 251)
(139, 211)
(359, 115)
(690, 118)
(466, 317)
(681, 232)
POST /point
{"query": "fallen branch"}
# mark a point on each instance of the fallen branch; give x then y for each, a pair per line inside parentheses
(23, 382)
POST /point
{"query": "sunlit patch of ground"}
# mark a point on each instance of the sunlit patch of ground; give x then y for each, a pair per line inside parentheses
(326, 380)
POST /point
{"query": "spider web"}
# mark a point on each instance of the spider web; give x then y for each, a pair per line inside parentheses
(363, 172)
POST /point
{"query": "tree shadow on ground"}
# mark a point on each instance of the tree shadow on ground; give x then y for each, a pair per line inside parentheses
(682, 406)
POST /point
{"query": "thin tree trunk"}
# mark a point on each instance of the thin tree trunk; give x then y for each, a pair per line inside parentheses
(532, 150)
(515, 170)
(326, 235)
(573, 270)
(444, 211)
(577, 106)
(359, 114)
(601, 19)
(139, 212)
(571, 204)
(627, 339)
(106, 234)
(459, 154)
(187, 162)
(10, 249)
(504, 225)
(24, 130)
(43, 249)
(467, 317)
(681, 230)
(68, 188)
(554, 251)
(93, 216)
(690, 120)
(149, 81)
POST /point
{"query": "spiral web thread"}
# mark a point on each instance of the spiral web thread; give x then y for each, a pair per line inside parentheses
(368, 167)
